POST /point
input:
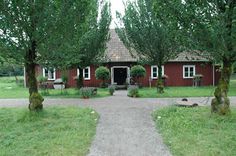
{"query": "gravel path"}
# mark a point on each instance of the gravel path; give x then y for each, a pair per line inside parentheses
(125, 127)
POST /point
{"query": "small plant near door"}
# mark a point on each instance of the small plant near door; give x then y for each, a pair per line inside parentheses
(133, 91)
(86, 92)
(111, 89)
(102, 73)
(136, 73)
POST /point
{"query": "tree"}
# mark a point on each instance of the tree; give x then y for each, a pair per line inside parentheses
(102, 73)
(37, 31)
(210, 27)
(92, 43)
(137, 72)
(152, 38)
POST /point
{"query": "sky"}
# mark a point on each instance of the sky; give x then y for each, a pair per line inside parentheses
(116, 5)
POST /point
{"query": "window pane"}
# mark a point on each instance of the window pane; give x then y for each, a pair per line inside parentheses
(186, 74)
(154, 72)
(154, 75)
(191, 71)
(185, 71)
(154, 69)
(86, 70)
(191, 74)
(46, 72)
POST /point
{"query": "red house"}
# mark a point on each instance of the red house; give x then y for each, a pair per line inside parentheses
(180, 71)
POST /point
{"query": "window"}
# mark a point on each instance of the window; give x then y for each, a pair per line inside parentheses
(188, 71)
(154, 71)
(86, 73)
(50, 73)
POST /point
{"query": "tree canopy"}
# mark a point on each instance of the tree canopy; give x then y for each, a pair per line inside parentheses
(144, 31)
(210, 27)
(46, 32)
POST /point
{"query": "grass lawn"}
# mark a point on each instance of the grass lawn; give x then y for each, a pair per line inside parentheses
(197, 132)
(55, 131)
(9, 89)
(185, 91)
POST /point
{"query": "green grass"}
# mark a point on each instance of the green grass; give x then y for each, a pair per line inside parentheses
(55, 131)
(9, 89)
(185, 91)
(197, 132)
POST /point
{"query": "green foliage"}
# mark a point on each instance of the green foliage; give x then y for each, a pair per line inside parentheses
(102, 73)
(64, 78)
(212, 29)
(87, 92)
(92, 44)
(111, 89)
(137, 71)
(10, 69)
(149, 35)
(42, 79)
(209, 29)
(153, 38)
(43, 31)
(200, 132)
(70, 129)
(234, 68)
(133, 91)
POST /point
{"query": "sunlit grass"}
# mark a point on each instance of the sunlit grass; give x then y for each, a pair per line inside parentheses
(54, 131)
(197, 132)
(10, 89)
(203, 91)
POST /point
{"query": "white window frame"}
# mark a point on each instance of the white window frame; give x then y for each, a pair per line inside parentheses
(189, 66)
(54, 74)
(155, 66)
(89, 73)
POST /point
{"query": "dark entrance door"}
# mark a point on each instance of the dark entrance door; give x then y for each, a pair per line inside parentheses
(120, 75)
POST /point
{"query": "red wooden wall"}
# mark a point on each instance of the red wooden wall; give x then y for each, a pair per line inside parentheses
(174, 71)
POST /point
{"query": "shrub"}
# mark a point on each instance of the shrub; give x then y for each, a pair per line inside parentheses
(64, 79)
(102, 73)
(137, 72)
(41, 79)
(42, 84)
(133, 91)
(87, 92)
(111, 89)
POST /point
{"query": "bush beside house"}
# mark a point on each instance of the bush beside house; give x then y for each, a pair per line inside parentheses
(133, 91)
(137, 72)
(102, 73)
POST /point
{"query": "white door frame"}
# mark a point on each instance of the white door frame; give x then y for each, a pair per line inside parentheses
(112, 73)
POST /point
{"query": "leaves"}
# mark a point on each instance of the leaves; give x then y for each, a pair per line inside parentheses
(152, 37)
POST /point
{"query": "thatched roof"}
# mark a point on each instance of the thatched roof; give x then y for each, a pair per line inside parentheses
(117, 52)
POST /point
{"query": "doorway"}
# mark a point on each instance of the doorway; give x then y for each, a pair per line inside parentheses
(120, 75)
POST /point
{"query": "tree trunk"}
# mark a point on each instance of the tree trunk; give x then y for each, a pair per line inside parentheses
(160, 84)
(220, 104)
(35, 98)
(80, 80)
